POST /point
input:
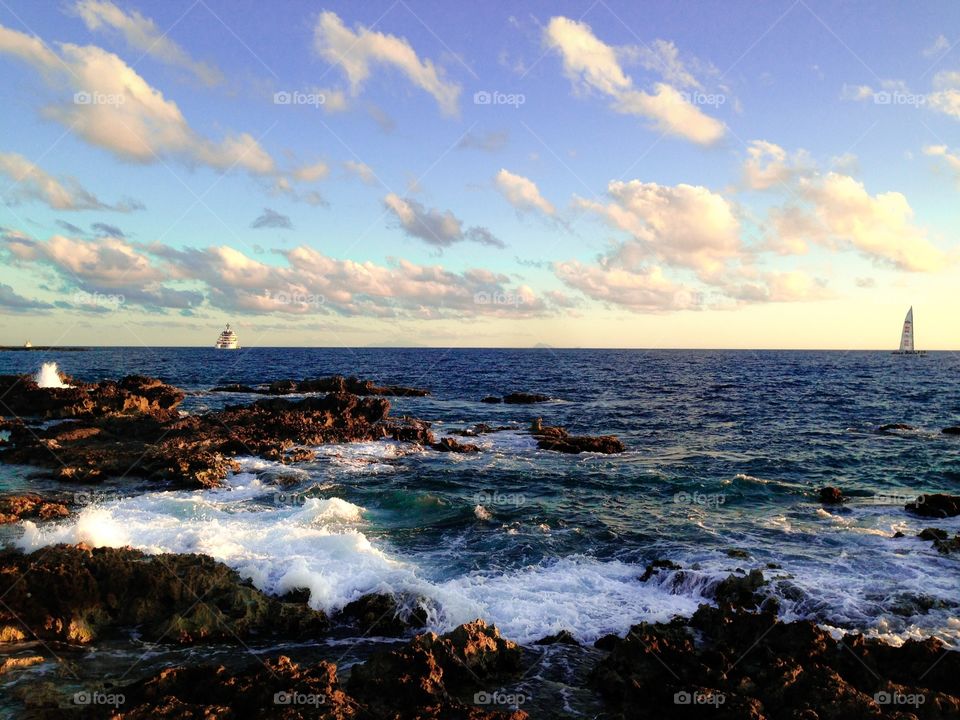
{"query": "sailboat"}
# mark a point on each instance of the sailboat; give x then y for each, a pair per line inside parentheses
(906, 337)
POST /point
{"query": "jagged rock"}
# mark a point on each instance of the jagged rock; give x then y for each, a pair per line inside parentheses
(76, 594)
(557, 438)
(30, 506)
(746, 665)
(433, 670)
(561, 638)
(656, 566)
(941, 539)
(739, 591)
(134, 394)
(831, 496)
(407, 429)
(333, 384)
(522, 398)
(448, 444)
(937, 505)
(479, 429)
(381, 614)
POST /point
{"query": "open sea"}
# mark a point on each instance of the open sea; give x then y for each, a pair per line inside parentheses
(726, 450)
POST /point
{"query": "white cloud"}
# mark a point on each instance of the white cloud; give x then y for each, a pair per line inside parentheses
(939, 46)
(361, 170)
(591, 64)
(142, 33)
(769, 165)
(435, 227)
(355, 51)
(31, 182)
(683, 225)
(952, 159)
(646, 290)
(522, 192)
(114, 108)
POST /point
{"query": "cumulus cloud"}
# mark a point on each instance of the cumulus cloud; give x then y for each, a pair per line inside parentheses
(142, 34)
(355, 51)
(435, 227)
(272, 219)
(951, 159)
(114, 108)
(362, 171)
(683, 225)
(522, 192)
(645, 290)
(768, 165)
(31, 182)
(592, 65)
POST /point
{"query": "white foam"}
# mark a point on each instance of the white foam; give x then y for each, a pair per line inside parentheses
(48, 377)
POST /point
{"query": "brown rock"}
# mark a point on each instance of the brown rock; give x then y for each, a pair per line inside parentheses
(448, 444)
(831, 496)
(557, 438)
(937, 505)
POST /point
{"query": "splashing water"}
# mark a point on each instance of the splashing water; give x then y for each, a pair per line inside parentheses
(49, 377)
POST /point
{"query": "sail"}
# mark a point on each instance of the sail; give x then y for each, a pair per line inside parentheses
(906, 338)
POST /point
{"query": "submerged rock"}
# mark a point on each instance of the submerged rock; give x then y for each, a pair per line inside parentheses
(523, 398)
(937, 505)
(492, 400)
(831, 496)
(448, 444)
(941, 539)
(740, 591)
(77, 594)
(890, 427)
(951, 430)
(382, 614)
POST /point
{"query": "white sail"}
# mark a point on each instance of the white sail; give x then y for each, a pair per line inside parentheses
(906, 337)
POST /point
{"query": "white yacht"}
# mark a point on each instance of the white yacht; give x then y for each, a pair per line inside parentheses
(906, 337)
(228, 340)
(27, 345)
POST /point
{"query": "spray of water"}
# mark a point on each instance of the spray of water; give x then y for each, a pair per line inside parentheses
(48, 377)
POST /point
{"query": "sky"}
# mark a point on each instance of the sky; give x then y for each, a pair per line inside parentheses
(423, 173)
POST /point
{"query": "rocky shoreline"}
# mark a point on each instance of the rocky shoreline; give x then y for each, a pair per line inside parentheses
(732, 659)
(729, 661)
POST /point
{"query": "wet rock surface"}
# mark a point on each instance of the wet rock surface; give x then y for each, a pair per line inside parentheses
(941, 539)
(76, 594)
(938, 505)
(333, 384)
(731, 664)
(382, 614)
(831, 495)
(448, 444)
(30, 506)
(557, 438)
(134, 394)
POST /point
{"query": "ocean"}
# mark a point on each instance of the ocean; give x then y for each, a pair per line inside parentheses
(725, 453)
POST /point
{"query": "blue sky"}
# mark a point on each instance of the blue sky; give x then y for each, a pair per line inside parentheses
(571, 174)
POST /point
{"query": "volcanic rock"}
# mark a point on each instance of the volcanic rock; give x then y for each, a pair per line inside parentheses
(30, 506)
(381, 614)
(522, 398)
(492, 400)
(448, 444)
(831, 496)
(77, 594)
(936, 505)
(333, 384)
(941, 539)
(557, 438)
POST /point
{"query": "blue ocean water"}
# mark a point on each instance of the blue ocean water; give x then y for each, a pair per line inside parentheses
(726, 450)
